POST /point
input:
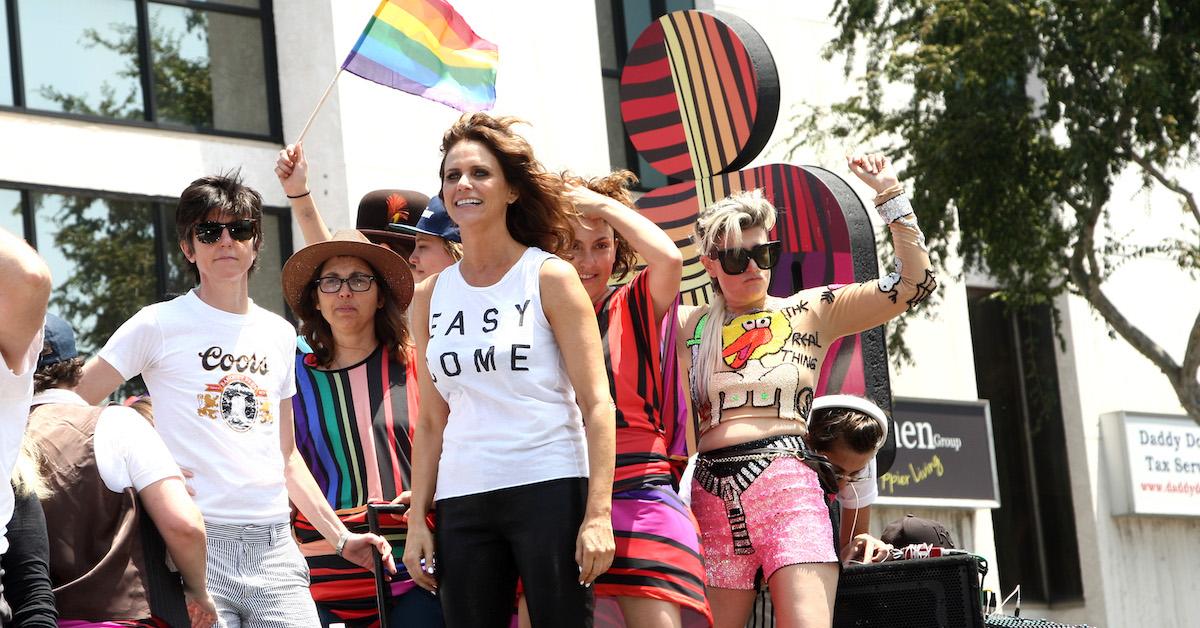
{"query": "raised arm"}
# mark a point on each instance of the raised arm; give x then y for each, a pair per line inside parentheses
(426, 449)
(857, 307)
(664, 262)
(292, 170)
(24, 291)
(573, 321)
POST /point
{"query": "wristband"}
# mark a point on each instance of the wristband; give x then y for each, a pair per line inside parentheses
(306, 193)
(894, 209)
(341, 544)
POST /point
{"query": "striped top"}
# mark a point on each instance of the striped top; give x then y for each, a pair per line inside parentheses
(353, 427)
(633, 357)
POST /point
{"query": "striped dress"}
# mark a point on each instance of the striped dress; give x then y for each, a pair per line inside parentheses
(353, 431)
(658, 546)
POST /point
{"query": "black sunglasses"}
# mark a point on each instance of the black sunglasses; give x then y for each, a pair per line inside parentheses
(736, 261)
(210, 232)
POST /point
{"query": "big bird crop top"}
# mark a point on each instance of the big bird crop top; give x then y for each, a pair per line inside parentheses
(771, 358)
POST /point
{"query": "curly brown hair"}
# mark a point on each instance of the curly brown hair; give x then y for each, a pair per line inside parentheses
(541, 214)
(614, 185)
(860, 432)
(64, 374)
(391, 323)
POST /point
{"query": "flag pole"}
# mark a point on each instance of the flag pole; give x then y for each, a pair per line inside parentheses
(313, 115)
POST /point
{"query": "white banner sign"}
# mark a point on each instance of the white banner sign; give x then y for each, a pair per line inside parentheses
(1153, 462)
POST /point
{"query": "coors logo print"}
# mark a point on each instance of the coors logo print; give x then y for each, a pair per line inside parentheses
(236, 399)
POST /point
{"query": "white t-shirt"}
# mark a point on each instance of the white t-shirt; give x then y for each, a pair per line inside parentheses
(217, 380)
(16, 389)
(129, 453)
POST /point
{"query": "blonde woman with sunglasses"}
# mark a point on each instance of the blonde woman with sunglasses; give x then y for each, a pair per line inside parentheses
(758, 501)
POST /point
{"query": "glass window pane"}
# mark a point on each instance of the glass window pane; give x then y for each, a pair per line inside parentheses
(101, 253)
(637, 18)
(266, 287)
(10, 212)
(80, 56)
(253, 4)
(680, 5)
(208, 69)
(6, 93)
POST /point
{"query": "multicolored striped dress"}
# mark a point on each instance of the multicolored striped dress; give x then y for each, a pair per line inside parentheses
(658, 545)
(354, 432)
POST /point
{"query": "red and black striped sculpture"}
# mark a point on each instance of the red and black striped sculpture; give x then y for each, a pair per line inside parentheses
(700, 98)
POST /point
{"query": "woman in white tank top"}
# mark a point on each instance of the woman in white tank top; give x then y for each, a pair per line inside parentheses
(515, 435)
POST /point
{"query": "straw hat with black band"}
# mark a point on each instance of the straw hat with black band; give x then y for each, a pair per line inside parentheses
(390, 268)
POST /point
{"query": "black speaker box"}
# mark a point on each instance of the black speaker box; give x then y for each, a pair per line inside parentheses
(918, 593)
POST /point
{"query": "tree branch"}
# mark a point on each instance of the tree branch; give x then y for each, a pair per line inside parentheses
(1171, 184)
(1088, 282)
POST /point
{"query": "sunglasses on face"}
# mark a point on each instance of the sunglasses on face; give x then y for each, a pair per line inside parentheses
(333, 285)
(210, 232)
(736, 261)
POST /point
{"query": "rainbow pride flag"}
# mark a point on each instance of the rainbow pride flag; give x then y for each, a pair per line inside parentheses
(424, 47)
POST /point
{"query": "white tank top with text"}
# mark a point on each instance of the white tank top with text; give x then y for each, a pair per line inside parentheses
(493, 357)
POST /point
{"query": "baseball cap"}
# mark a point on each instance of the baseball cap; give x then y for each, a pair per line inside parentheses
(435, 221)
(58, 342)
(911, 530)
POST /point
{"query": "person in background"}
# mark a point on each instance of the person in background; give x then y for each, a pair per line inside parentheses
(657, 573)
(753, 362)
(849, 431)
(354, 413)
(26, 564)
(515, 436)
(102, 466)
(438, 243)
(25, 285)
(220, 371)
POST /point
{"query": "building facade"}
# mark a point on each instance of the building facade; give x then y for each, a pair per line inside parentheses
(109, 108)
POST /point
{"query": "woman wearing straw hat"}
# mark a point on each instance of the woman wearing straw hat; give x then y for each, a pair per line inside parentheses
(352, 410)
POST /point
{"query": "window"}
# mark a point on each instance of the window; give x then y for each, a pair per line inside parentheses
(6, 82)
(1015, 369)
(203, 66)
(113, 254)
(619, 23)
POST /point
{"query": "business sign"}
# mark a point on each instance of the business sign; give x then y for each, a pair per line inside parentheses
(944, 455)
(1153, 463)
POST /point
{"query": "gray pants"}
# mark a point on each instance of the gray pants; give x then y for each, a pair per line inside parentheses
(257, 577)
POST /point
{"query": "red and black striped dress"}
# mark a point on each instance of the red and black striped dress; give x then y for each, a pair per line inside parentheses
(658, 546)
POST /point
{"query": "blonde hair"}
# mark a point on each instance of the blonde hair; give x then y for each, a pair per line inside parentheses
(27, 474)
(723, 223)
(453, 249)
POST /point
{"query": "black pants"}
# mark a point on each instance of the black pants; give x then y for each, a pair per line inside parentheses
(485, 541)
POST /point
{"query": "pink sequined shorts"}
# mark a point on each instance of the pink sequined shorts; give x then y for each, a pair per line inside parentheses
(780, 519)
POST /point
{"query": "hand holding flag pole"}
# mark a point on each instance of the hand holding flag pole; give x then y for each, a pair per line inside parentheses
(423, 47)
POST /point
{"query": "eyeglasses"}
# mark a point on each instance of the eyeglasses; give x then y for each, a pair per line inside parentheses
(210, 232)
(333, 285)
(736, 261)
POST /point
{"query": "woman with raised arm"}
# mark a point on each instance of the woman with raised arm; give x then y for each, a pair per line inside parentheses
(753, 362)
(515, 438)
(657, 576)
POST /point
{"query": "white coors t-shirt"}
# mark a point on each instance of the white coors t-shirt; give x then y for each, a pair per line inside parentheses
(216, 380)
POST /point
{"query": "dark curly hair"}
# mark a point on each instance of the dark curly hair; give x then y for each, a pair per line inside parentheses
(64, 374)
(541, 214)
(391, 324)
(860, 432)
(614, 185)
